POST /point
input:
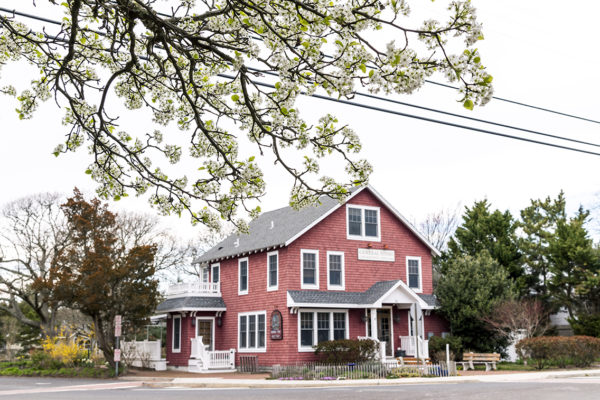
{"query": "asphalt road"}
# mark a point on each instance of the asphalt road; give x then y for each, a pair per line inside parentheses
(63, 389)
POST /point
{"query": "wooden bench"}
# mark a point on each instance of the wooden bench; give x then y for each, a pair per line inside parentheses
(489, 359)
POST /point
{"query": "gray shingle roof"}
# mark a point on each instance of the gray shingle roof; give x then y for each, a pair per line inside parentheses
(271, 229)
(430, 299)
(190, 303)
(368, 297)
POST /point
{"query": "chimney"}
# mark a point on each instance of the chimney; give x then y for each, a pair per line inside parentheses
(237, 242)
(272, 225)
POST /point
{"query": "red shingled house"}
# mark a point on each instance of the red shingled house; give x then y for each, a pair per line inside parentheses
(351, 270)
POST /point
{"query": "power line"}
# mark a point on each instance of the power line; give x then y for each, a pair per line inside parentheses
(445, 85)
(432, 120)
(436, 121)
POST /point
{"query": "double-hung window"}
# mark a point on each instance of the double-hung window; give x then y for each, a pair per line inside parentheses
(309, 273)
(413, 273)
(335, 270)
(252, 331)
(243, 276)
(205, 275)
(176, 333)
(316, 326)
(363, 222)
(272, 270)
(215, 273)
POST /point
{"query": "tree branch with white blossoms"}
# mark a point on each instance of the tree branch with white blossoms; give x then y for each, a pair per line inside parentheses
(202, 66)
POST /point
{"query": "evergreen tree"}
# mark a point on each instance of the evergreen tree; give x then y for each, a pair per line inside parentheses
(469, 291)
(493, 232)
(572, 261)
(538, 227)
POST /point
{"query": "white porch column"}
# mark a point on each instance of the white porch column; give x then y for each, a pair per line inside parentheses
(374, 333)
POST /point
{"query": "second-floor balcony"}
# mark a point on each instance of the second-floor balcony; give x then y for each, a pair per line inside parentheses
(198, 288)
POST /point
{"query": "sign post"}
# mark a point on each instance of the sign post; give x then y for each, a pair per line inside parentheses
(117, 356)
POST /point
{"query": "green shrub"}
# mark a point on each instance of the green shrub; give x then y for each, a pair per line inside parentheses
(42, 360)
(437, 348)
(347, 350)
(586, 324)
(561, 351)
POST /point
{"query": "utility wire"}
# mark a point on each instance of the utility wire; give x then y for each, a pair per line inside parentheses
(445, 85)
(379, 109)
(436, 121)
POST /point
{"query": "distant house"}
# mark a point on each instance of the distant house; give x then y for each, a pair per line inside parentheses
(350, 270)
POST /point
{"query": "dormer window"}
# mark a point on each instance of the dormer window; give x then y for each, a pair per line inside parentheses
(363, 223)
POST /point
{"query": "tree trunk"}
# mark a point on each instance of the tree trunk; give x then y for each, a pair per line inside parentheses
(105, 343)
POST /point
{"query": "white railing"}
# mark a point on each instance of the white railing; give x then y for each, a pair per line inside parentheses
(222, 359)
(409, 345)
(199, 288)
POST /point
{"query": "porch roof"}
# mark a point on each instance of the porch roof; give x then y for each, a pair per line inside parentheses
(192, 303)
(372, 297)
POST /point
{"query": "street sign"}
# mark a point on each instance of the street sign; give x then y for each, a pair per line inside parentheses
(117, 355)
(117, 325)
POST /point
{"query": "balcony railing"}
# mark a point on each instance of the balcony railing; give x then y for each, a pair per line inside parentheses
(195, 288)
(410, 344)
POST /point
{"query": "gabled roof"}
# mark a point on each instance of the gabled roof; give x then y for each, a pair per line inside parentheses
(372, 297)
(192, 303)
(281, 227)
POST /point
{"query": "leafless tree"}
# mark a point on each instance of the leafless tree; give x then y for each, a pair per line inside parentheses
(204, 242)
(439, 226)
(32, 232)
(526, 316)
(139, 229)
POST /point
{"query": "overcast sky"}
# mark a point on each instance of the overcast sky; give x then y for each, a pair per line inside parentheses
(542, 53)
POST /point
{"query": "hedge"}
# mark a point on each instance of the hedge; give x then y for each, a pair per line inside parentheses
(561, 351)
(347, 350)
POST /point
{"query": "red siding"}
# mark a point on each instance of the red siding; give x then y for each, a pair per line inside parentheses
(328, 235)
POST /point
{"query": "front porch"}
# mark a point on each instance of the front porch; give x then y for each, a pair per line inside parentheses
(194, 313)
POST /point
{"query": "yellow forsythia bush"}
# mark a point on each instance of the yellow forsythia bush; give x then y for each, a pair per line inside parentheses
(63, 348)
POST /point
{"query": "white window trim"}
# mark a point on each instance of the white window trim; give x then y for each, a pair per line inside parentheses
(252, 349)
(212, 267)
(362, 236)
(203, 276)
(314, 311)
(240, 291)
(420, 288)
(173, 349)
(271, 288)
(212, 328)
(343, 272)
(309, 285)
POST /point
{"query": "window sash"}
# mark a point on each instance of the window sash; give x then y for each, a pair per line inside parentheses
(371, 223)
(355, 221)
(323, 326)
(243, 276)
(177, 333)
(335, 270)
(215, 274)
(306, 328)
(243, 332)
(339, 326)
(414, 277)
(273, 261)
(309, 268)
(261, 330)
(252, 331)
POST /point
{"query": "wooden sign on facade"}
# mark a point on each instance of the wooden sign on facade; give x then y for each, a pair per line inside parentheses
(276, 325)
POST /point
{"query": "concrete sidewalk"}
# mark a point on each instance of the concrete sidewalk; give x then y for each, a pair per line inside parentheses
(213, 382)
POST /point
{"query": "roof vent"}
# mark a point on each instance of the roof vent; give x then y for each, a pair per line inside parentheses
(237, 242)
(272, 225)
(220, 248)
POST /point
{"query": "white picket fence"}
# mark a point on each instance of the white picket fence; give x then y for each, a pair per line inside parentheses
(369, 370)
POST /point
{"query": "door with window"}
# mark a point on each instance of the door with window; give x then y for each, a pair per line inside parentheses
(204, 328)
(384, 330)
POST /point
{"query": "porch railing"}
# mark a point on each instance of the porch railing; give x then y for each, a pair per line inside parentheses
(198, 288)
(215, 359)
(409, 345)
